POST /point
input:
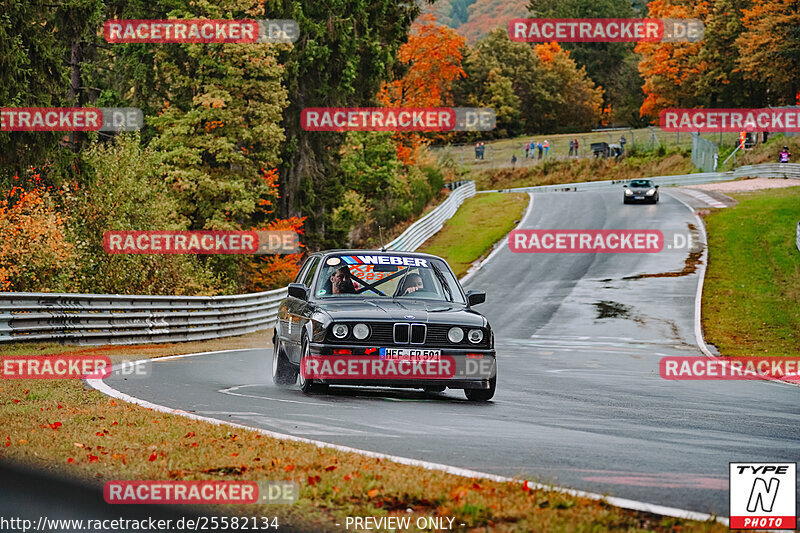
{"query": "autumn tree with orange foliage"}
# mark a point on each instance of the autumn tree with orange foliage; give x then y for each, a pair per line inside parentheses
(266, 272)
(34, 251)
(769, 48)
(672, 71)
(432, 56)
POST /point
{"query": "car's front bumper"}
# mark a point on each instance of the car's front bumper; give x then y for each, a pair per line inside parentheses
(457, 368)
(640, 198)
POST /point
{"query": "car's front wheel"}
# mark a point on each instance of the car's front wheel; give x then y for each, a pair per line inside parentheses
(481, 395)
(283, 373)
(308, 385)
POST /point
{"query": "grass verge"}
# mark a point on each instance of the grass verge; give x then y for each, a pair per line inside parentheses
(480, 222)
(553, 172)
(101, 439)
(751, 295)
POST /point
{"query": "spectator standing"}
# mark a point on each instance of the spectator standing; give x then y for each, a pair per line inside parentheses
(477, 150)
(622, 141)
(546, 147)
(514, 160)
(784, 156)
(576, 147)
(527, 150)
(483, 149)
(539, 147)
(571, 147)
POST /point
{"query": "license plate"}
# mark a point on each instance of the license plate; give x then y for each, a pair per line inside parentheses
(411, 354)
(638, 197)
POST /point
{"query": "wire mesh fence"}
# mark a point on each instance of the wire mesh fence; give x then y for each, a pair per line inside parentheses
(515, 153)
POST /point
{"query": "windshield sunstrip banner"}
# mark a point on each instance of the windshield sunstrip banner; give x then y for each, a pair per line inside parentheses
(384, 260)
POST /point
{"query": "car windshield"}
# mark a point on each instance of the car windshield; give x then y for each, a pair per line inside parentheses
(387, 276)
(641, 183)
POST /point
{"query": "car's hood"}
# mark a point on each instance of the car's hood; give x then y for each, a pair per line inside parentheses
(401, 310)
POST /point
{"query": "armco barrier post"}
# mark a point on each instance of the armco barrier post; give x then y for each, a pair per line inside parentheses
(797, 240)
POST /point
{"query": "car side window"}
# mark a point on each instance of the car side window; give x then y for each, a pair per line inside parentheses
(309, 275)
(303, 270)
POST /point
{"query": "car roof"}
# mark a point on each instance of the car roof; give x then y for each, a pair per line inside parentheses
(374, 252)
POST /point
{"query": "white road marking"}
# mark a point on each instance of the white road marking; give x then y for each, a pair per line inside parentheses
(230, 391)
(703, 197)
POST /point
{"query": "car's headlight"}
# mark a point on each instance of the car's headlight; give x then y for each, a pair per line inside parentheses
(361, 331)
(475, 336)
(455, 335)
(340, 331)
(651, 192)
(628, 192)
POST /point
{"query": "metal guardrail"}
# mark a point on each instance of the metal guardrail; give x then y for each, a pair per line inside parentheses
(769, 170)
(88, 319)
(424, 228)
(121, 319)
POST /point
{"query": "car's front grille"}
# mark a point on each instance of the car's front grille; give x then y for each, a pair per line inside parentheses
(402, 333)
(409, 333)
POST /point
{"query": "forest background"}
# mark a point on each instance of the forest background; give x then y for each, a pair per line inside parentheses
(222, 147)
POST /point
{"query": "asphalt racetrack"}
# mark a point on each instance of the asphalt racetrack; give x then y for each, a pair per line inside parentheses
(580, 402)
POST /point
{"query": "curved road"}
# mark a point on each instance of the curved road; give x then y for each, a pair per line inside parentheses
(579, 403)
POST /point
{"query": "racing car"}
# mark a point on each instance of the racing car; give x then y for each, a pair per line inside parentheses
(386, 319)
(640, 191)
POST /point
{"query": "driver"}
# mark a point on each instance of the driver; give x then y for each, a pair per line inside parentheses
(412, 283)
(340, 282)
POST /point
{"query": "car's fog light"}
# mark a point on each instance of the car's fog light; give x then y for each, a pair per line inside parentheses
(475, 336)
(340, 331)
(361, 331)
(455, 335)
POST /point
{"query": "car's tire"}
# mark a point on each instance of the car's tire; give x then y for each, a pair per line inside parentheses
(434, 390)
(481, 395)
(308, 386)
(283, 373)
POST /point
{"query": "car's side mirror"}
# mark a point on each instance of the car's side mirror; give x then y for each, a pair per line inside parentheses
(298, 290)
(657, 186)
(476, 297)
(624, 186)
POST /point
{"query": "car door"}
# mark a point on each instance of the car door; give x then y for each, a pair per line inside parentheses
(283, 310)
(297, 313)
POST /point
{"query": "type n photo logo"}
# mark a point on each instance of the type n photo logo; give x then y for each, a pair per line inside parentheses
(763, 495)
